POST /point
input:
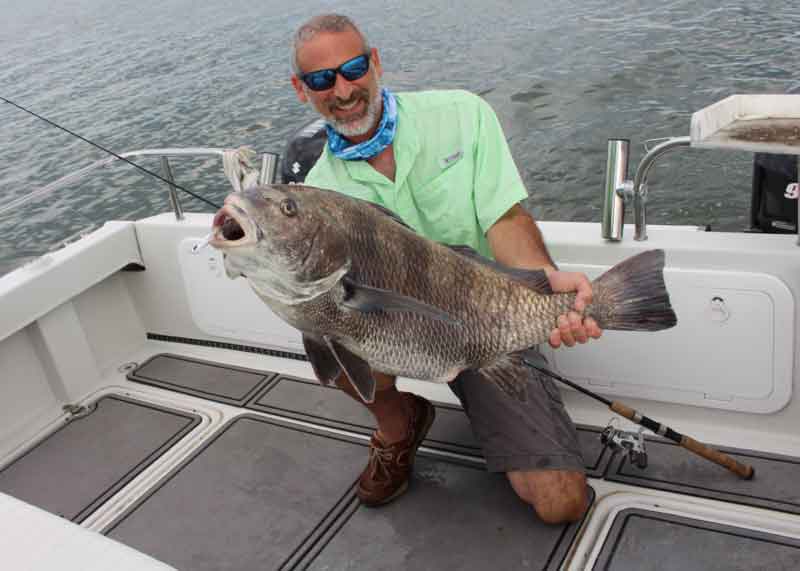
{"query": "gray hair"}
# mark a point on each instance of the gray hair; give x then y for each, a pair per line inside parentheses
(323, 23)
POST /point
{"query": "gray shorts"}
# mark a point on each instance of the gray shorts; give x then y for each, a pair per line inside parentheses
(533, 435)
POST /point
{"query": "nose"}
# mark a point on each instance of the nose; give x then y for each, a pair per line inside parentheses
(342, 88)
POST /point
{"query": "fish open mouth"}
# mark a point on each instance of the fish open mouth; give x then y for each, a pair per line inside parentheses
(230, 227)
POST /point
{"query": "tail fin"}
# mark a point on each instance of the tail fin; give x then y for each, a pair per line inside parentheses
(632, 295)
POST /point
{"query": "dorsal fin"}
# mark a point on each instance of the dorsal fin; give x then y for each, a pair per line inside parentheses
(534, 279)
(388, 213)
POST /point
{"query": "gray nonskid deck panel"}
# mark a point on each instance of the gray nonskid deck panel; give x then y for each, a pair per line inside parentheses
(204, 379)
(457, 517)
(675, 469)
(246, 500)
(643, 539)
(269, 495)
(307, 400)
(82, 464)
(670, 467)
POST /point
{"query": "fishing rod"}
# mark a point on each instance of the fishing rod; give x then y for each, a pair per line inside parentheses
(112, 153)
(744, 471)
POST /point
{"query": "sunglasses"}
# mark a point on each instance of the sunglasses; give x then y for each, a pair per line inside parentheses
(323, 79)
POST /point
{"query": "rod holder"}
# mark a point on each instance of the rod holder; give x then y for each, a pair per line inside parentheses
(613, 200)
(269, 168)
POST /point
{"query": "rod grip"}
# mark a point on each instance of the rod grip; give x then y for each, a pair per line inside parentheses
(742, 470)
(623, 410)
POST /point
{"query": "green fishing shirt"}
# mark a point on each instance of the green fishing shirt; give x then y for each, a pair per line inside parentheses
(454, 177)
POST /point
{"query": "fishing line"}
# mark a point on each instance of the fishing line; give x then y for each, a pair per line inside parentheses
(112, 153)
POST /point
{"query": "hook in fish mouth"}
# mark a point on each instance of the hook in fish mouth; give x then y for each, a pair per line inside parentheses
(232, 227)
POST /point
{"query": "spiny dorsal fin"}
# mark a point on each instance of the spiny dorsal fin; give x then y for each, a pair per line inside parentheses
(388, 213)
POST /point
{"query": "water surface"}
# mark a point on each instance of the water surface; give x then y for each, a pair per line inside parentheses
(563, 77)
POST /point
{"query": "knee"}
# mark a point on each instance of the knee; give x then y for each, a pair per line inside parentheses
(557, 497)
(566, 509)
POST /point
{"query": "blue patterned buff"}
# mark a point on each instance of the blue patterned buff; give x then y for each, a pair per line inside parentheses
(372, 147)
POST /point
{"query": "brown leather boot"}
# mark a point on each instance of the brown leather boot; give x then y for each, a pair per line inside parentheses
(389, 468)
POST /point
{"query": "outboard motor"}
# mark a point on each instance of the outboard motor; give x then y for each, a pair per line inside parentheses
(771, 210)
(774, 207)
(302, 151)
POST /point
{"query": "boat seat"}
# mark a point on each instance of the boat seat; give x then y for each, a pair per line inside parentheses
(34, 539)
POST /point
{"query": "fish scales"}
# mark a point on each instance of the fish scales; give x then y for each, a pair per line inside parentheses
(494, 312)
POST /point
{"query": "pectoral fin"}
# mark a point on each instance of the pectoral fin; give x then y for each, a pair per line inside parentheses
(357, 370)
(369, 299)
(322, 359)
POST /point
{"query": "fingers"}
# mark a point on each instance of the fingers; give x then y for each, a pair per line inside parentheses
(583, 288)
(578, 329)
(592, 329)
(573, 281)
(572, 329)
(555, 339)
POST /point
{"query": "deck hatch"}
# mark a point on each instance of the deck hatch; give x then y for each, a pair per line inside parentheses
(204, 379)
(674, 469)
(644, 539)
(82, 464)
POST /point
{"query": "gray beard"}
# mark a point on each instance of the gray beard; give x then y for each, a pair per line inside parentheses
(360, 126)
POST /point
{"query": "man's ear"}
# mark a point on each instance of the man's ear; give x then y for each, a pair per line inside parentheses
(297, 83)
(376, 61)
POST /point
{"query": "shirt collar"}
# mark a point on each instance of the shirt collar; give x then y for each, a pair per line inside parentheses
(405, 147)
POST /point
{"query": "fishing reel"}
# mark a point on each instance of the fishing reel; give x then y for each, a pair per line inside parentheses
(630, 443)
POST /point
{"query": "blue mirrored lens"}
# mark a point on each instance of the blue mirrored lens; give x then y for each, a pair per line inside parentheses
(351, 70)
(320, 80)
(355, 68)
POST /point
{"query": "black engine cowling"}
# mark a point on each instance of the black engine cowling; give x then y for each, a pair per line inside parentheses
(302, 151)
(770, 210)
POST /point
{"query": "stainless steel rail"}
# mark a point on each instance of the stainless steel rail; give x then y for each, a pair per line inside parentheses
(267, 174)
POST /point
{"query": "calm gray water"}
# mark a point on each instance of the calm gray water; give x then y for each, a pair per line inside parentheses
(562, 76)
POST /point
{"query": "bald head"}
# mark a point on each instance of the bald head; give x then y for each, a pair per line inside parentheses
(331, 23)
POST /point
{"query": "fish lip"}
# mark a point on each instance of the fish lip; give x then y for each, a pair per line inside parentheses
(232, 208)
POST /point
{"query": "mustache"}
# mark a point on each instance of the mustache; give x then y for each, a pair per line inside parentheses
(361, 95)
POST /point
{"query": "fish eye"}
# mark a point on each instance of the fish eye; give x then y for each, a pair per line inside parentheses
(288, 207)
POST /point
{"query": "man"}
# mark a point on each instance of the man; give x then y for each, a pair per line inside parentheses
(441, 162)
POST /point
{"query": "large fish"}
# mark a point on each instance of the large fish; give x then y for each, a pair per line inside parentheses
(367, 292)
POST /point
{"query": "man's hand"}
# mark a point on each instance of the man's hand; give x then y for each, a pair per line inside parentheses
(572, 327)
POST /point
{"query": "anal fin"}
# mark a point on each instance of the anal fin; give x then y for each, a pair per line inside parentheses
(510, 374)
